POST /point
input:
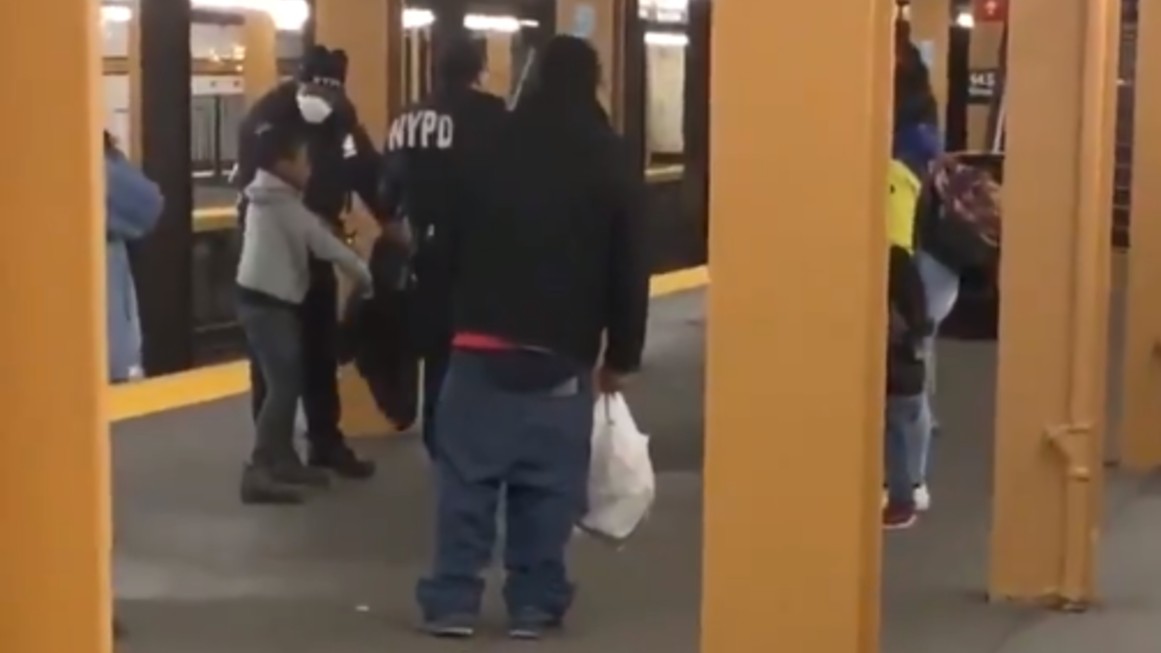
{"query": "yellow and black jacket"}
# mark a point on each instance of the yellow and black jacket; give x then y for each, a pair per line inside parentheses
(908, 322)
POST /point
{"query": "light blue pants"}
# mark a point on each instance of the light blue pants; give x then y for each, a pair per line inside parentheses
(902, 418)
(941, 285)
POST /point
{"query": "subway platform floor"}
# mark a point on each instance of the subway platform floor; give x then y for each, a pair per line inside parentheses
(198, 572)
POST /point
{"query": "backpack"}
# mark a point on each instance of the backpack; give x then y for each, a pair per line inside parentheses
(962, 210)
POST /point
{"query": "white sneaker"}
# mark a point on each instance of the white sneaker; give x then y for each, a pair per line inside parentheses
(922, 498)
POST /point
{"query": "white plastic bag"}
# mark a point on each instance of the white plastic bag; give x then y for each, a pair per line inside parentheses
(621, 481)
(300, 418)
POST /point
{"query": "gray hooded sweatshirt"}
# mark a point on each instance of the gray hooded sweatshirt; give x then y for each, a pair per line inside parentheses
(280, 236)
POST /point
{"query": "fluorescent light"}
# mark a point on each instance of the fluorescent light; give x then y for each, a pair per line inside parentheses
(116, 14)
(483, 23)
(965, 20)
(288, 15)
(666, 39)
(417, 18)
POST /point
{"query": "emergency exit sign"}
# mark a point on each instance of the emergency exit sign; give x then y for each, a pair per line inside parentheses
(990, 11)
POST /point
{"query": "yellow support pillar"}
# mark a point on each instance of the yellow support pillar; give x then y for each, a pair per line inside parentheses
(371, 32)
(260, 45)
(1050, 415)
(930, 30)
(602, 22)
(54, 495)
(499, 81)
(1141, 428)
(780, 572)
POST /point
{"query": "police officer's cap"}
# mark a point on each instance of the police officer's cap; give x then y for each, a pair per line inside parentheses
(323, 66)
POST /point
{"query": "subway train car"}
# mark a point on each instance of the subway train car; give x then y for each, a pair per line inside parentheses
(664, 102)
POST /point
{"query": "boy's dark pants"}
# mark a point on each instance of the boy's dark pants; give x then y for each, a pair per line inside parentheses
(531, 444)
(274, 335)
(318, 343)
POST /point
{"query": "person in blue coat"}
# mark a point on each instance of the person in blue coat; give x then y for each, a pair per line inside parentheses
(133, 206)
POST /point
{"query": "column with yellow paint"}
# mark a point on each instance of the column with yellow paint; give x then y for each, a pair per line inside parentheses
(260, 63)
(499, 77)
(54, 495)
(1054, 288)
(371, 33)
(798, 379)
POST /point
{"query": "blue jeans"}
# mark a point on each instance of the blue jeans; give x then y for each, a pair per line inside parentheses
(941, 286)
(434, 370)
(902, 420)
(532, 445)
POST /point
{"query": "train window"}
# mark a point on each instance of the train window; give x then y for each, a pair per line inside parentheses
(665, 96)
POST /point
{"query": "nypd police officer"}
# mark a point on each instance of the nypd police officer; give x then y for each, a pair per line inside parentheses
(344, 160)
(431, 148)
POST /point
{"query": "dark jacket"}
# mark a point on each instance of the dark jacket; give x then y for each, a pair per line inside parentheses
(555, 255)
(433, 148)
(374, 335)
(908, 324)
(343, 158)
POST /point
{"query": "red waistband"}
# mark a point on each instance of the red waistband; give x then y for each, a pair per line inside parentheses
(481, 342)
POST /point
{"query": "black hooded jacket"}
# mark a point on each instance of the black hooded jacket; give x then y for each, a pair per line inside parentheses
(555, 254)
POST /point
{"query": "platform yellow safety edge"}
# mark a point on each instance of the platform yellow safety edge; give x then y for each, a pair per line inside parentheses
(214, 382)
(220, 218)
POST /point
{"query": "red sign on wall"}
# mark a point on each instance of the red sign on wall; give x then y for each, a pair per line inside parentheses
(990, 11)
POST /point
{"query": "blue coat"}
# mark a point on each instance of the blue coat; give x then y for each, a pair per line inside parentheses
(133, 206)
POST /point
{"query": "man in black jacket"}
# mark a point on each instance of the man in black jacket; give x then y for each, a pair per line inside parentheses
(430, 151)
(549, 269)
(343, 161)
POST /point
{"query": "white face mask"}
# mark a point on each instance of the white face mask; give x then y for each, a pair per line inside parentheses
(313, 108)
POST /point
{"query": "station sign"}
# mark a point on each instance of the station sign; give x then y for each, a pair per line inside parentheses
(982, 84)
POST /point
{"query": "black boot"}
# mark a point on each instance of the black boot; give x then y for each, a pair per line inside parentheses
(295, 473)
(341, 460)
(261, 487)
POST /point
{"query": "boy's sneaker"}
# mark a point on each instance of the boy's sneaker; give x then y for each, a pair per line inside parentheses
(922, 497)
(259, 487)
(451, 627)
(899, 516)
(532, 624)
(342, 461)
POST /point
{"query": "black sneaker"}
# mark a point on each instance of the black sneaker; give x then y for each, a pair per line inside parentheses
(532, 624)
(260, 487)
(451, 627)
(119, 631)
(342, 461)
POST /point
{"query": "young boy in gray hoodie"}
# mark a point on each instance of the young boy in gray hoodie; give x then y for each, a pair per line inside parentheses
(281, 235)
